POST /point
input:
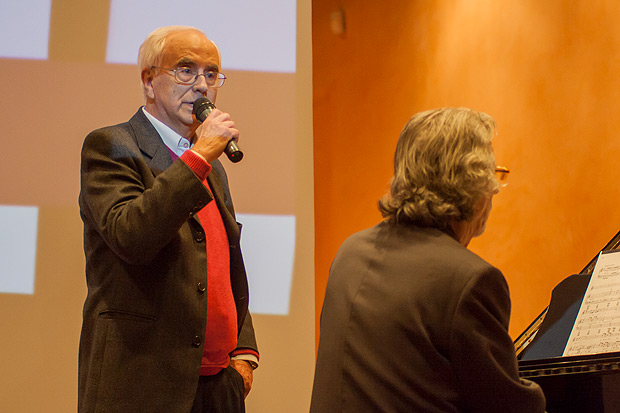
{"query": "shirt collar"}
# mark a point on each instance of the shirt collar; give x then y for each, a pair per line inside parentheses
(175, 142)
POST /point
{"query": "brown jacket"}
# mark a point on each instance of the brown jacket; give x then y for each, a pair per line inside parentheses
(414, 322)
(145, 314)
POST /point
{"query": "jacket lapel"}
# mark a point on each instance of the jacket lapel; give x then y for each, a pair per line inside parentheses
(232, 228)
(150, 143)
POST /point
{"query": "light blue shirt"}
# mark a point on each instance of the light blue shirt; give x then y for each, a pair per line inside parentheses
(175, 142)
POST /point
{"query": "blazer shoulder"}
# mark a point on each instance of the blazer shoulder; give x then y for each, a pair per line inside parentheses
(118, 130)
(134, 133)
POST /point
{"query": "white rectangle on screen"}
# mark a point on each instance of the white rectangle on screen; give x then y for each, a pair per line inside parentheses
(24, 28)
(18, 248)
(251, 35)
(268, 246)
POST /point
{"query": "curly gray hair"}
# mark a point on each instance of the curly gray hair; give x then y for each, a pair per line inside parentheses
(443, 164)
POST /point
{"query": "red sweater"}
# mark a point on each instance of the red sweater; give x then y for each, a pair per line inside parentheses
(221, 334)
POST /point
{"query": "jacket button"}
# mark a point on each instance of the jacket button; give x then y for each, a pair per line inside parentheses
(201, 287)
(196, 342)
(200, 236)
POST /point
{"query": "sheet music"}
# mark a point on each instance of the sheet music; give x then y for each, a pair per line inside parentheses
(597, 326)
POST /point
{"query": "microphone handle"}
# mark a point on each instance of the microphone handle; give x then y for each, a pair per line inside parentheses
(232, 151)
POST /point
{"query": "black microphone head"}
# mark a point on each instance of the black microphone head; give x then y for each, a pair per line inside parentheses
(202, 108)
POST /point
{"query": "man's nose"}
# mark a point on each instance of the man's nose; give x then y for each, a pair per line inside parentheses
(201, 83)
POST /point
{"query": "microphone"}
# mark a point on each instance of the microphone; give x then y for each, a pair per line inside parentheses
(202, 108)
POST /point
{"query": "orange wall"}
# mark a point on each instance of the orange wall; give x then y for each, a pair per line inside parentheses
(546, 71)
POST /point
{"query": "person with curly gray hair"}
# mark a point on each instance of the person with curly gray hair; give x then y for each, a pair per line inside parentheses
(412, 320)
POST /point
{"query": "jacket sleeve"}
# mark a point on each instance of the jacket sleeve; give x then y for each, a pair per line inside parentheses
(483, 353)
(134, 211)
(246, 343)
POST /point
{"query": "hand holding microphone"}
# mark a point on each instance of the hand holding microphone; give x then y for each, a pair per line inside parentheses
(202, 108)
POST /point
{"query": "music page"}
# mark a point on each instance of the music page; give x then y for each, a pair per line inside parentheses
(597, 326)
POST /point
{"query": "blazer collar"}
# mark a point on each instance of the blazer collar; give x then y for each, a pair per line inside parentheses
(222, 200)
(150, 143)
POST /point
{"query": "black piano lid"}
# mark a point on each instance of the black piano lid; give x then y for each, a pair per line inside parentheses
(546, 336)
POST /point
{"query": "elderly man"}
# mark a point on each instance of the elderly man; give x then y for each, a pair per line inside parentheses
(166, 325)
(412, 320)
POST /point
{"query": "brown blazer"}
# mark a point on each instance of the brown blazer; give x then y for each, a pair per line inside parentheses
(414, 322)
(145, 314)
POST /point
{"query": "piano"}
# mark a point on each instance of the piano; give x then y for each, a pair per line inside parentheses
(584, 384)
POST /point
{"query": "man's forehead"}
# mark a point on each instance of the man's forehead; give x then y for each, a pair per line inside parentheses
(190, 47)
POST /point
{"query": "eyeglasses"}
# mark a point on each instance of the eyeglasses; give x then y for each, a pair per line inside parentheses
(186, 76)
(501, 174)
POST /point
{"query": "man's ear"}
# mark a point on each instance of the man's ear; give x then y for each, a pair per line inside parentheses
(147, 83)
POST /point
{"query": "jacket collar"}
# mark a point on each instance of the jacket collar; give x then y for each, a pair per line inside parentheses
(150, 143)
